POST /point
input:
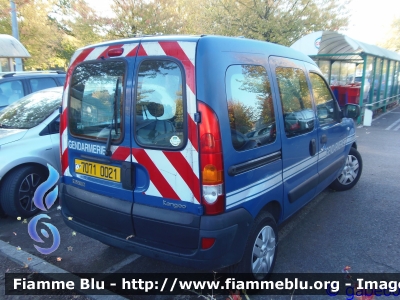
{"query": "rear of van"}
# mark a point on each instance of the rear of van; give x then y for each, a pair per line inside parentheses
(142, 155)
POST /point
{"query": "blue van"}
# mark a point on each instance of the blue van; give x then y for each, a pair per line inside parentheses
(191, 149)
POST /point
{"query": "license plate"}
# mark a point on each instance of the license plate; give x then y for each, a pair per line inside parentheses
(98, 170)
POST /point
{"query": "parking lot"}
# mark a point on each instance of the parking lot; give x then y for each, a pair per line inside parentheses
(358, 228)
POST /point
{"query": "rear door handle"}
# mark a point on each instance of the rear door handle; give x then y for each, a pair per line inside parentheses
(324, 139)
(313, 147)
(128, 175)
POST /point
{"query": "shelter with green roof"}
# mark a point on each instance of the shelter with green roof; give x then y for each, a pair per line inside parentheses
(347, 62)
(10, 48)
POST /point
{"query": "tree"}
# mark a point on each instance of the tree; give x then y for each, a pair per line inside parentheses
(51, 30)
(241, 117)
(393, 40)
(80, 25)
(134, 17)
(40, 36)
(142, 17)
(5, 19)
(278, 21)
(36, 31)
(256, 81)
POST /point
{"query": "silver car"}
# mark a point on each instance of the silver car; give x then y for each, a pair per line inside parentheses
(29, 140)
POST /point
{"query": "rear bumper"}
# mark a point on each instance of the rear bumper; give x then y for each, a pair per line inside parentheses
(162, 234)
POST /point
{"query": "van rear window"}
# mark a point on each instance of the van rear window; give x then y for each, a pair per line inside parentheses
(96, 100)
(250, 107)
(159, 118)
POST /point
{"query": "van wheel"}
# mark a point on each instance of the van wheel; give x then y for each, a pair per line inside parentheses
(2, 213)
(18, 188)
(260, 252)
(351, 172)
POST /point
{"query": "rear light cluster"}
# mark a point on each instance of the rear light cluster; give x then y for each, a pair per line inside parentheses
(115, 52)
(62, 126)
(211, 162)
(295, 126)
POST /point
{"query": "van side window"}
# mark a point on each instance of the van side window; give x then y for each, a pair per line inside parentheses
(159, 117)
(326, 106)
(295, 97)
(250, 106)
(96, 100)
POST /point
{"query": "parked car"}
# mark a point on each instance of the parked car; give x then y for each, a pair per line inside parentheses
(382, 85)
(264, 135)
(299, 121)
(29, 140)
(15, 85)
(203, 198)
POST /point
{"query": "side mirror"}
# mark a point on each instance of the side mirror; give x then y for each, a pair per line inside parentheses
(351, 111)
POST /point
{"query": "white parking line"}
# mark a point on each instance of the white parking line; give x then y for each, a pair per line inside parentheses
(122, 263)
(394, 124)
(36, 264)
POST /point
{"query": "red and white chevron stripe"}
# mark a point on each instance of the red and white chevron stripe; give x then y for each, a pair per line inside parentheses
(173, 175)
(78, 57)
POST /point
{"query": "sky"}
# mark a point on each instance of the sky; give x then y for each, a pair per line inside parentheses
(370, 21)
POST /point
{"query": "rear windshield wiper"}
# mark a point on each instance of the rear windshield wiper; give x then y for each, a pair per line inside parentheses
(113, 120)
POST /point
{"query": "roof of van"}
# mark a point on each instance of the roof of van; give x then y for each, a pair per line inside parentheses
(233, 44)
(149, 38)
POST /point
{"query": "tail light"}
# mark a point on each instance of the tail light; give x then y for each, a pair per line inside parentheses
(295, 126)
(211, 162)
(115, 52)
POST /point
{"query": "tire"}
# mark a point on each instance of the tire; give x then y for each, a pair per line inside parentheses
(17, 190)
(2, 213)
(261, 248)
(351, 172)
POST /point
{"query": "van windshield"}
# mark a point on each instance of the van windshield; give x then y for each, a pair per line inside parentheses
(96, 100)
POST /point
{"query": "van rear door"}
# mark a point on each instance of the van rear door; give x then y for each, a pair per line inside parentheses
(165, 144)
(97, 99)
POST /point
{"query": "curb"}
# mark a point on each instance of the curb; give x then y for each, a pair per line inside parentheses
(39, 265)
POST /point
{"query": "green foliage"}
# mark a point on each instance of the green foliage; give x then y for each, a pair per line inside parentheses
(241, 117)
(256, 81)
(52, 30)
(5, 19)
(393, 41)
(133, 17)
(278, 21)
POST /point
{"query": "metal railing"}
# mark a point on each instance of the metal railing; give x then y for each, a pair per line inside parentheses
(374, 106)
(383, 100)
